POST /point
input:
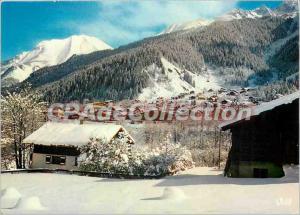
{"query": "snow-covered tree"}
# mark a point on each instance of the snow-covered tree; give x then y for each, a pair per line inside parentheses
(117, 158)
(22, 113)
(203, 143)
(168, 158)
(103, 156)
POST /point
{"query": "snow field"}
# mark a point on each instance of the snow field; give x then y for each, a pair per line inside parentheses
(195, 191)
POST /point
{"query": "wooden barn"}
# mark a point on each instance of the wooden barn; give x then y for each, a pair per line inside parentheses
(266, 141)
(56, 145)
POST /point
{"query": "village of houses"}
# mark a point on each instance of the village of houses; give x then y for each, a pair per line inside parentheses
(163, 167)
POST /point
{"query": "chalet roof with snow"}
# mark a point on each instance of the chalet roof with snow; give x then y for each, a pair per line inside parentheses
(265, 107)
(73, 133)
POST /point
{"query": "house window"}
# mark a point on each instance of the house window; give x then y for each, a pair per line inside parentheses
(76, 162)
(55, 159)
(48, 159)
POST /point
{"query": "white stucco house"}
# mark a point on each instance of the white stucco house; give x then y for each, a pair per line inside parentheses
(55, 145)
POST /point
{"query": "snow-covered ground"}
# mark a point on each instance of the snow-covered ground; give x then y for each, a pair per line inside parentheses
(199, 190)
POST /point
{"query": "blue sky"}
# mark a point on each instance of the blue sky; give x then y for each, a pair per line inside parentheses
(24, 24)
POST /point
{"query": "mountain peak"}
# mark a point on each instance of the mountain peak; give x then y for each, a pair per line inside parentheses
(288, 7)
(49, 53)
(85, 43)
(264, 11)
(186, 26)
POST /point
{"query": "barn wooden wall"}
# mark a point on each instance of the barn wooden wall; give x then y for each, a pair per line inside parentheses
(271, 137)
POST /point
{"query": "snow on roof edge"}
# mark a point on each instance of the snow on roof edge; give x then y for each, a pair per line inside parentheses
(266, 106)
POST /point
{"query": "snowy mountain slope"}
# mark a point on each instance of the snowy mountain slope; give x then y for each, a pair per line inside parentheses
(275, 47)
(250, 14)
(171, 81)
(263, 11)
(48, 53)
(234, 50)
(288, 9)
(186, 26)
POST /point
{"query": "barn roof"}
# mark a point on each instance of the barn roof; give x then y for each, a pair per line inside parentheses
(265, 107)
(72, 133)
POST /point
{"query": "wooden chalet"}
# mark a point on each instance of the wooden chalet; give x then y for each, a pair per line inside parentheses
(56, 144)
(265, 142)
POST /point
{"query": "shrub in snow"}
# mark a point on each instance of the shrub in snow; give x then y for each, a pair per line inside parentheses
(116, 157)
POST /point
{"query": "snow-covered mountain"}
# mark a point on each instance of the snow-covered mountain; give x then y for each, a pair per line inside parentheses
(251, 14)
(239, 53)
(219, 55)
(186, 26)
(289, 8)
(49, 53)
(263, 11)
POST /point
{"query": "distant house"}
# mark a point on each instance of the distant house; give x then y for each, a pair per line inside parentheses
(269, 139)
(222, 90)
(213, 98)
(200, 96)
(225, 101)
(232, 93)
(243, 90)
(56, 145)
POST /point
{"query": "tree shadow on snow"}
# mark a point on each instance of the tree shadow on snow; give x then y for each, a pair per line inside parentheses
(153, 199)
(188, 179)
(118, 180)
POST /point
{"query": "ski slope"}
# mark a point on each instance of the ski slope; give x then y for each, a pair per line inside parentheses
(169, 81)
